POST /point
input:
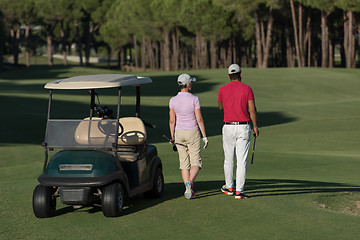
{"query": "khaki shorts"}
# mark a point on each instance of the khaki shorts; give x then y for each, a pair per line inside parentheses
(188, 145)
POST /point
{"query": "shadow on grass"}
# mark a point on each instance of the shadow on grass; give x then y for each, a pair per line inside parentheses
(204, 189)
(280, 187)
(268, 187)
(25, 118)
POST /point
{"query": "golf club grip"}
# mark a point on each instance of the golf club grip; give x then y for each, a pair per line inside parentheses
(166, 138)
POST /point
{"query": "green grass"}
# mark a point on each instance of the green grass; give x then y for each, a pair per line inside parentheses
(304, 183)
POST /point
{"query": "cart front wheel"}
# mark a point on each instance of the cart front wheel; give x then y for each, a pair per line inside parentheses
(44, 201)
(112, 200)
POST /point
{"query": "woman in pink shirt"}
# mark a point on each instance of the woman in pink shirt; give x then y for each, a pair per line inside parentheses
(185, 122)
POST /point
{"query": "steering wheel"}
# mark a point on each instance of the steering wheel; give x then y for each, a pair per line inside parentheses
(107, 127)
(132, 136)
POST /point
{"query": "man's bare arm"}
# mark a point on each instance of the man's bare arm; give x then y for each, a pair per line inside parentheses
(220, 105)
(253, 116)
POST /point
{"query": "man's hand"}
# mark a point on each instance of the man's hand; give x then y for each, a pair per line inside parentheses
(256, 131)
(206, 142)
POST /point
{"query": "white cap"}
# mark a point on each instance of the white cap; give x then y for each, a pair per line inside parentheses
(185, 78)
(234, 68)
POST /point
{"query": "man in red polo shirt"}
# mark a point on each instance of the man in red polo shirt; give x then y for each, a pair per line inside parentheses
(237, 101)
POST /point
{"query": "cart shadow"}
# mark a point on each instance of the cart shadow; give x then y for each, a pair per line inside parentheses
(254, 188)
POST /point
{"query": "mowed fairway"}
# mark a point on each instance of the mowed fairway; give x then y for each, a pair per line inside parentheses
(304, 183)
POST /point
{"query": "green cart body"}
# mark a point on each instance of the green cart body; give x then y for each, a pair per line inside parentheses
(97, 160)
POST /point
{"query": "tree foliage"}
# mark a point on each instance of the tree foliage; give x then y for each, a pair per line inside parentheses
(178, 34)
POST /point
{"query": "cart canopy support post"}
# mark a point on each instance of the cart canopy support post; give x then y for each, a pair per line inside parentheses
(138, 101)
(92, 103)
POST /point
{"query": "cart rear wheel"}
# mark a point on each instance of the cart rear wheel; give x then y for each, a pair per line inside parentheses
(112, 200)
(158, 187)
(44, 202)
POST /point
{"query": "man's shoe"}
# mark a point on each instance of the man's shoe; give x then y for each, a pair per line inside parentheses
(188, 191)
(240, 195)
(227, 191)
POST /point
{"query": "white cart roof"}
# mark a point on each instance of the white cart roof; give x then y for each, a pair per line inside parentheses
(97, 81)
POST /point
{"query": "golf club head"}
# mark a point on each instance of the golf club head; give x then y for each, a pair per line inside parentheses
(174, 146)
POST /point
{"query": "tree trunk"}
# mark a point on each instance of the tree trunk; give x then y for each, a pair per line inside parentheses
(175, 50)
(135, 51)
(87, 33)
(267, 45)
(204, 56)
(349, 39)
(119, 58)
(150, 58)
(143, 53)
(108, 56)
(166, 50)
(263, 41)
(1, 53)
(297, 47)
(79, 42)
(358, 41)
(161, 55)
(228, 53)
(243, 57)
(17, 45)
(182, 58)
(15, 35)
(63, 43)
(49, 49)
(222, 57)
(156, 54)
(324, 40)
(308, 39)
(235, 51)
(250, 54)
(283, 57)
(301, 36)
(352, 39)
(259, 55)
(316, 58)
(213, 57)
(331, 54)
(27, 47)
(187, 59)
(309, 52)
(289, 50)
(346, 38)
(197, 52)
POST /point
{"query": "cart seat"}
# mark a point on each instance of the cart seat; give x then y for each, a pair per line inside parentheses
(133, 132)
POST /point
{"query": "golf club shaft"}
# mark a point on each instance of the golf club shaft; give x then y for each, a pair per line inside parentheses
(253, 152)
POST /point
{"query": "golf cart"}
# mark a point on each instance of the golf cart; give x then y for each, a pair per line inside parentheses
(98, 159)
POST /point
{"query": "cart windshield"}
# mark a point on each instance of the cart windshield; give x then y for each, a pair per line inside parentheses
(95, 133)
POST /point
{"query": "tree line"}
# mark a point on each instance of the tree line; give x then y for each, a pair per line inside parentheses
(185, 34)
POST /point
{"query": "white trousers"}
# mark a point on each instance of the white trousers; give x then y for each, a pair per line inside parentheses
(236, 140)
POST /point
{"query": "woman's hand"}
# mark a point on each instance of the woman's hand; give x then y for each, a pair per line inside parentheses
(206, 142)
